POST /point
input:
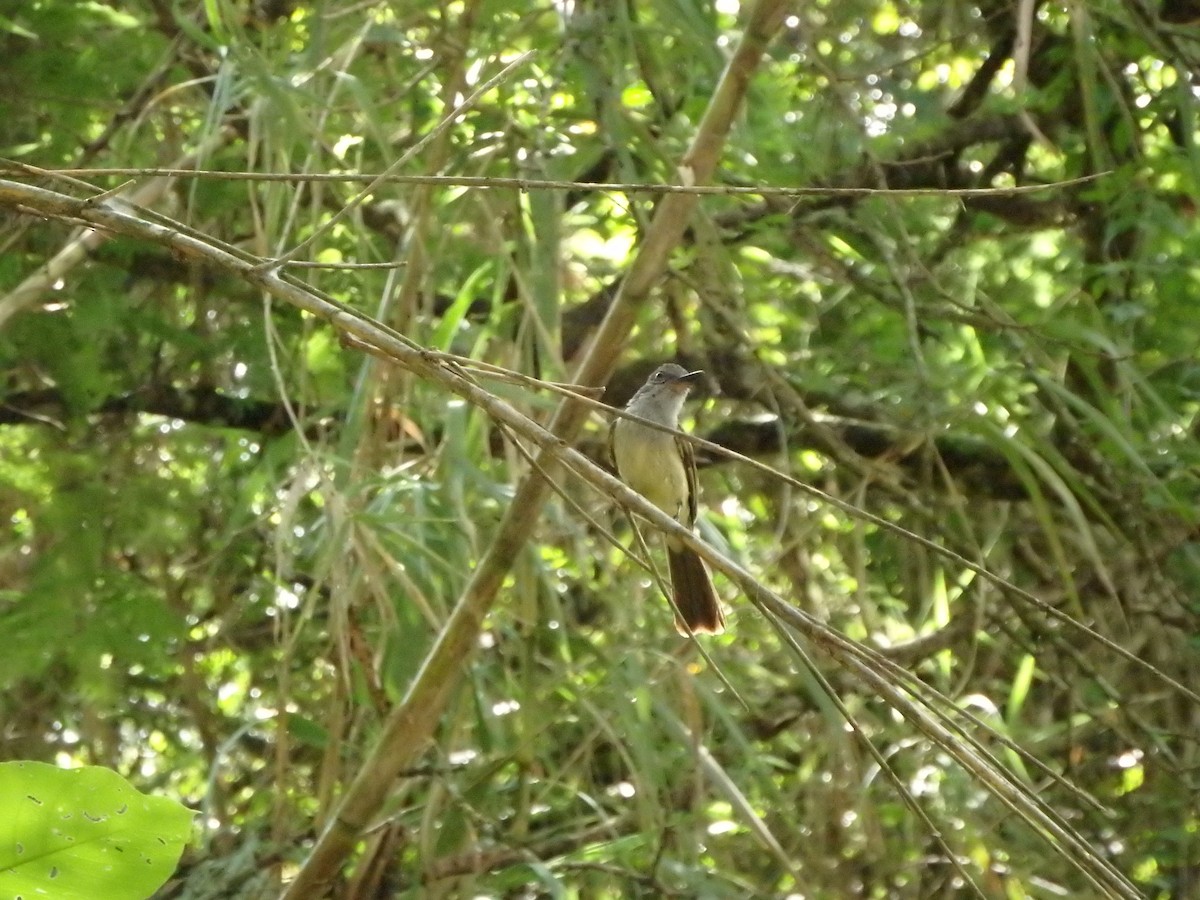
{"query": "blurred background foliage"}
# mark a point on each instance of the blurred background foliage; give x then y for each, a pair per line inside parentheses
(230, 541)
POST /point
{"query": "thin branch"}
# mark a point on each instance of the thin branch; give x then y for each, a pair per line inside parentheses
(86, 240)
(541, 184)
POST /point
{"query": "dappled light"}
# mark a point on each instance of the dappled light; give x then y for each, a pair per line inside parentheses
(314, 319)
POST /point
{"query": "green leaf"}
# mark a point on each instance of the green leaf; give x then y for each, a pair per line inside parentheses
(84, 834)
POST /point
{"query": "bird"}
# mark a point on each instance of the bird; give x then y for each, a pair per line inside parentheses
(662, 468)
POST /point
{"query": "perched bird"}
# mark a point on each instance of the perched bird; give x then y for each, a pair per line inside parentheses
(662, 469)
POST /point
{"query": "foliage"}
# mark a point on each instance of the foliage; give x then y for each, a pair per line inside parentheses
(235, 537)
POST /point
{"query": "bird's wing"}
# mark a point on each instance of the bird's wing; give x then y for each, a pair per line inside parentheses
(689, 467)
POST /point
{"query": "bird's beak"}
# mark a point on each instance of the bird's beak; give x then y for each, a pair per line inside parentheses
(684, 382)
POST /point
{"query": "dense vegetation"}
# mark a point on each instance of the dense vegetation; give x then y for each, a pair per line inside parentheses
(279, 542)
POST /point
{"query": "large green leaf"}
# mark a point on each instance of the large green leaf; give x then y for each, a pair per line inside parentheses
(84, 834)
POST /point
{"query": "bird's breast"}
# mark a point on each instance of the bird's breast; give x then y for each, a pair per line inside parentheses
(649, 462)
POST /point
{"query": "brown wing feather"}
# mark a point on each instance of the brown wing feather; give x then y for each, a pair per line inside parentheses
(689, 466)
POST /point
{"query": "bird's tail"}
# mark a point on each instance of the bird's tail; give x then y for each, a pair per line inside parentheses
(697, 609)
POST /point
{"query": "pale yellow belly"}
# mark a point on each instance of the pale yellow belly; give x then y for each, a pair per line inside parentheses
(649, 462)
